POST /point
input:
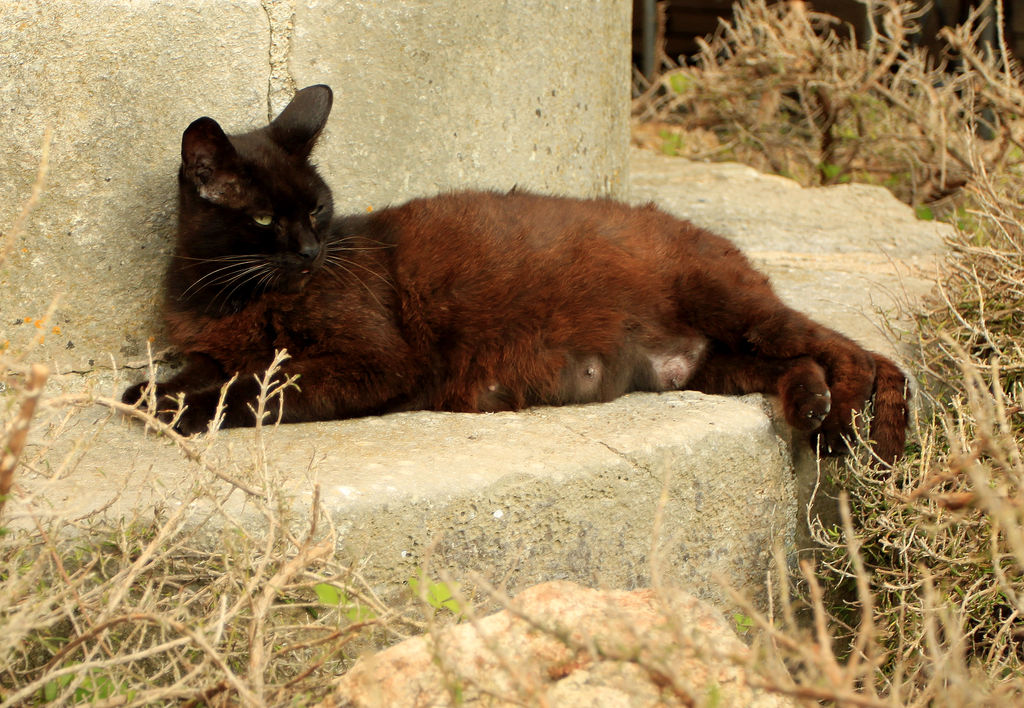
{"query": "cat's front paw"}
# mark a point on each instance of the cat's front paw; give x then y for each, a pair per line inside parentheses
(133, 395)
(195, 415)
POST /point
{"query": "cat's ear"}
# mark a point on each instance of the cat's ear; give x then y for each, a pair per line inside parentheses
(208, 161)
(300, 123)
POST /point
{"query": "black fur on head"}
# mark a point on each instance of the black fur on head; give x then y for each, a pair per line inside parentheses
(253, 212)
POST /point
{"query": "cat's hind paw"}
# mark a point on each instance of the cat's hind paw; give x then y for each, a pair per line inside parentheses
(806, 399)
(831, 441)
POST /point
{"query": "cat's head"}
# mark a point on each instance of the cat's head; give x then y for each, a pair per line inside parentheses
(253, 212)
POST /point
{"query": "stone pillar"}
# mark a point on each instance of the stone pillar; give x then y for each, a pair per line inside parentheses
(430, 95)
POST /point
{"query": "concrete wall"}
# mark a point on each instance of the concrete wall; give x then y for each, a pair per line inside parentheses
(429, 95)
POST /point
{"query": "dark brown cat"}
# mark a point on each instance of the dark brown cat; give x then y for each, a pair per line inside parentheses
(475, 301)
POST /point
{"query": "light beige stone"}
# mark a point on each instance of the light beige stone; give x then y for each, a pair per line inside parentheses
(434, 96)
(568, 492)
(564, 645)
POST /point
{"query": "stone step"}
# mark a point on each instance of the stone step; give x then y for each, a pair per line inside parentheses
(548, 493)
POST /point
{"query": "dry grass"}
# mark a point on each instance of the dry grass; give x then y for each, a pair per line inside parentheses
(781, 90)
(146, 609)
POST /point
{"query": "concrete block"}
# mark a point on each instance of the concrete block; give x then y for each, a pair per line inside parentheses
(549, 493)
(117, 82)
(494, 95)
(431, 95)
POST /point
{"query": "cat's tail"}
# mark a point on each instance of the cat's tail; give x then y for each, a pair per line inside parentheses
(892, 412)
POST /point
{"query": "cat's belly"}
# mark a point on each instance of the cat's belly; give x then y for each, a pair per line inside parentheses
(590, 378)
(674, 369)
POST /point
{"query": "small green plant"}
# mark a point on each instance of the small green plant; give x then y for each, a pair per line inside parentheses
(94, 687)
(743, 623)
(671, 143)
(438, 595)
(334, 596)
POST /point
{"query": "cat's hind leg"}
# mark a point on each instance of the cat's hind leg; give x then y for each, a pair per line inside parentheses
(719, 294)
(799, 382)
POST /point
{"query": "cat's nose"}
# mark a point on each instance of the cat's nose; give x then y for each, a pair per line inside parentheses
(309, 249)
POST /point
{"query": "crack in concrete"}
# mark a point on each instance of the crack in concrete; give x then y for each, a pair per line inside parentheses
(634, 464)
(281, 84)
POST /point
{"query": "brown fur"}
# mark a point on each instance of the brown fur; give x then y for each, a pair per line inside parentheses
(479, 301)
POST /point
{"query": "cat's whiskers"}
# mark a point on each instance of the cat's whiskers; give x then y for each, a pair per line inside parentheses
(218, 275)
(341, 244)
(267, 279)
(218, 259)
(253, 273)
(358, 249)
(342, 262)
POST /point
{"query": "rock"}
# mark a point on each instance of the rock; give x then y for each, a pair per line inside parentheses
(564, 645)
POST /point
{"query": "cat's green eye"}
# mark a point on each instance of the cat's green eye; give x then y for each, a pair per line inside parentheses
(314, 215)
(263, 219)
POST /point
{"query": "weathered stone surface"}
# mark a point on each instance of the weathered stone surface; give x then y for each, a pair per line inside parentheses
(430, 95)
(546, 493)
(564, 645)
(117, 83)
(493, 95)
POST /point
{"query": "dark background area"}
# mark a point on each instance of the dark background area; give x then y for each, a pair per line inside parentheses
(687, 20)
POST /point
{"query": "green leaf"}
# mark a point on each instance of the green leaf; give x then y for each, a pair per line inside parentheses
(743, 623)
(680, 83)
(359, 613)
(327, 594)
(714, 697)
(438, 595)
(829, 170)
(50, 689)
(94, 687)
(924, 213)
